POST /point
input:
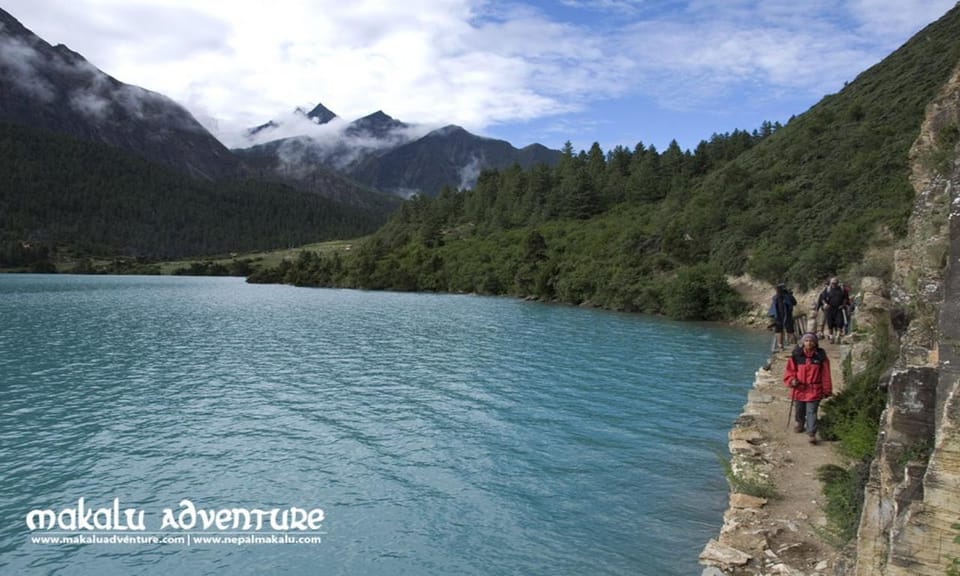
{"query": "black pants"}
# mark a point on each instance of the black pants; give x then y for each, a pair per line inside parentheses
(835, 317)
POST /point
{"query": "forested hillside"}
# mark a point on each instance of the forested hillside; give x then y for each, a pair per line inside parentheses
(93, 199)
(54, 88)
(656, 231)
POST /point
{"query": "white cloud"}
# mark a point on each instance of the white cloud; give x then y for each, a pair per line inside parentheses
(470, 172)
(719, 48)
(476, 63)
(91, 105)
(19, 60)
(897, 19)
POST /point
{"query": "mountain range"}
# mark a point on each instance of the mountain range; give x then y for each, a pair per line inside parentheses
(128, 145)
(53, 88)
(56, 89)
(382, 152)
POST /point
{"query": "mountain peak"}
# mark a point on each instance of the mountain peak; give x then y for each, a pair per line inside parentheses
(56, 89)
(449, 130)
(377, 125)
(321, 114)
(68, 54)
(257, 129)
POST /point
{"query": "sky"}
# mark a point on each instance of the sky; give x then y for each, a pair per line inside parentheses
(615, 72)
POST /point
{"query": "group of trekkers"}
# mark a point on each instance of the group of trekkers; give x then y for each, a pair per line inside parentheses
(830, 317)
(807, 373)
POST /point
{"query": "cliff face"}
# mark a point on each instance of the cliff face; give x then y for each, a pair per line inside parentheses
(911, 499)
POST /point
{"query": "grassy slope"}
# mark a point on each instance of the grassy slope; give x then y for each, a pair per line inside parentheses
(833, 178)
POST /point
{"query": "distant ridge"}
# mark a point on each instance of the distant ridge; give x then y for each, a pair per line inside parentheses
(93, 166)
(660, 232)
(57, 89)
(392, 156)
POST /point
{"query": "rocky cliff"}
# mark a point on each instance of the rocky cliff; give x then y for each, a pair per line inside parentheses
(911, 508)
(912, 499)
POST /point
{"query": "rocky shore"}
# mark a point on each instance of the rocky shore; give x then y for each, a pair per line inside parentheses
(785, 531)
(781, 533)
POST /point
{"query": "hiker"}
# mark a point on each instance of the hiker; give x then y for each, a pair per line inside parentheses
(820, 312)
(781, 313)
(836, 303)
(808, 376)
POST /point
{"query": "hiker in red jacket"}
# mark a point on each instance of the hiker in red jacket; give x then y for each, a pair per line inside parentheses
(808, 376)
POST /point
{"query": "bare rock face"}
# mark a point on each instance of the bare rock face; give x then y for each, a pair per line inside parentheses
(873, 309)
(722, 555)
(911, 501)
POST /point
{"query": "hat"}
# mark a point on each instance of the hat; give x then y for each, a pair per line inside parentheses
(811, 336)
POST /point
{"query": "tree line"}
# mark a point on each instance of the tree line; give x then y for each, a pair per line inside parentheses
(541, 232)
(643, 230)
(92, 199)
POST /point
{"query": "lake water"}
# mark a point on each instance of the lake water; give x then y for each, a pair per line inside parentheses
(439, 434)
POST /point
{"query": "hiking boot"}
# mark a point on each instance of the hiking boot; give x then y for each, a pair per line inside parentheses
(813, 438)
(798, 428)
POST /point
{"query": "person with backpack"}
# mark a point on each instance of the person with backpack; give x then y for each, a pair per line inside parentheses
(808, 376)
(836, 303)
(781, 313)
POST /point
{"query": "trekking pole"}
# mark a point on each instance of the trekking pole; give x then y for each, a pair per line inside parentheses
(790, 410)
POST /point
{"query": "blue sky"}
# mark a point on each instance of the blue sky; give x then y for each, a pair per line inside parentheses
(617, 72)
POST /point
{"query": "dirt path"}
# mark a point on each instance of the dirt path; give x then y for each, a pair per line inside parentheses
(782, 535)
(795, 463)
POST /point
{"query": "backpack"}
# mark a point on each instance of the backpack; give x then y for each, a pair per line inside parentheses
(836, 297)
(781, 307)
(799, 358)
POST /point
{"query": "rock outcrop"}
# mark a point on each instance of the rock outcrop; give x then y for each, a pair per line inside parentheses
(911, 510)
(911, 499)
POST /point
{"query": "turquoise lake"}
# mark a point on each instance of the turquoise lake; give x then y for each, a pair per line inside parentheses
(439, 434)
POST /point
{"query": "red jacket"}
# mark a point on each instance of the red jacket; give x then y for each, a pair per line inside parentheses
(813, 372)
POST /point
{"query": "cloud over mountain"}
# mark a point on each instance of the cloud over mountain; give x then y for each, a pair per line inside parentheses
(55, 88)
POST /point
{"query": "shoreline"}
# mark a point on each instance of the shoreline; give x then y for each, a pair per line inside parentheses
(775, 523)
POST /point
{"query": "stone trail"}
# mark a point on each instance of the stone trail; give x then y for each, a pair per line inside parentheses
(781, 534)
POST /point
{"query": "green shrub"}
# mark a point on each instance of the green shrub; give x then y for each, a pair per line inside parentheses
(700, 292)
(953, 568)
(769, 262)
(843, 496)
(748, 481)
(853, 416)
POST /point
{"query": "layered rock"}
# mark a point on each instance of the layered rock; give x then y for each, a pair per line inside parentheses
(911, 499)
(911, 502)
